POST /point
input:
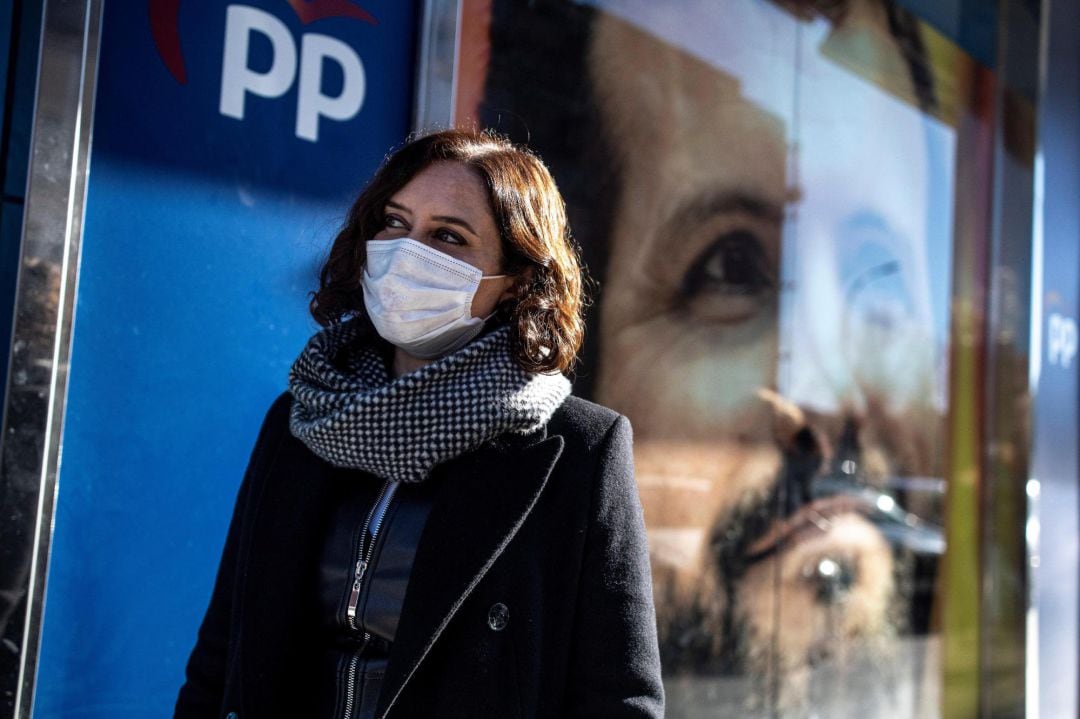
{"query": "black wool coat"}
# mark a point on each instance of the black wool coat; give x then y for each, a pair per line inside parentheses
(548, 525)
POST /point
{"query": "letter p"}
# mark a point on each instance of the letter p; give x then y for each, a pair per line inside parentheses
(237, 78)
(312, 103)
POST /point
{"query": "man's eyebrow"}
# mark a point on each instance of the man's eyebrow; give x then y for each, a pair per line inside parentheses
(449, 219)
(710, 204)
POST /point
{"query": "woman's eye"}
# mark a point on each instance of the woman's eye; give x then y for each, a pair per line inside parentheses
(449, 237)
(393, 222)
(735, 265)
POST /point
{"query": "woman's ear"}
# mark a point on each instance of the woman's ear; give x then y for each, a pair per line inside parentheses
(518, 281)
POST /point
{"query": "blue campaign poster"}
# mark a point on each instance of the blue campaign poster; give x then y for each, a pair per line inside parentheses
(228, 141)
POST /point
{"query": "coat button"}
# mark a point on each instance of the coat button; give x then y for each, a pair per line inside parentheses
(498, 616)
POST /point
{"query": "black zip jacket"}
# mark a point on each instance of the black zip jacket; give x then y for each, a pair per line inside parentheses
(530, 593)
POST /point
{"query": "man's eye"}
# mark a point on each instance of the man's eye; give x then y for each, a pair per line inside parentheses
(735, 265)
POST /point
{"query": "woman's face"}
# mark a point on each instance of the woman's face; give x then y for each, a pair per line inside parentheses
(445, 207)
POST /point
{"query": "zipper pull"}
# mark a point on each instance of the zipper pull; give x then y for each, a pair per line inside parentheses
(354, 595)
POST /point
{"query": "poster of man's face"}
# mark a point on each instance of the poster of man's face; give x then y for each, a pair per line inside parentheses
(764, 192)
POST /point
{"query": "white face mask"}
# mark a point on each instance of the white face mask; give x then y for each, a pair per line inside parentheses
(420, 299)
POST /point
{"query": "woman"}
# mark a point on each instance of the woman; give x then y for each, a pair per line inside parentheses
(429, 524)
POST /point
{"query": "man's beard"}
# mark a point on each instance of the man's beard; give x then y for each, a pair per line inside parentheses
(716, 650)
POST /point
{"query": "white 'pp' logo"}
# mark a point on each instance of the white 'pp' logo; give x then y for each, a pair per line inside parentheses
(238, 79)
(1061, 340)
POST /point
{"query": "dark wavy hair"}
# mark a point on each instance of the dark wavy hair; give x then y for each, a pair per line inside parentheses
(546, 311)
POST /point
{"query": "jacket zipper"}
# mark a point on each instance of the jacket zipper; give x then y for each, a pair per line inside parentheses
(350, 685)
(368, 536)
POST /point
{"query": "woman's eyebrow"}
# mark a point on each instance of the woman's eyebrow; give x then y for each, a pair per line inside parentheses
(449, 219)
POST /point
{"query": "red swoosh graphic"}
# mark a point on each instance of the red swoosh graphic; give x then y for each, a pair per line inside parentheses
(165, 28)
(309, 12)
(165, 25)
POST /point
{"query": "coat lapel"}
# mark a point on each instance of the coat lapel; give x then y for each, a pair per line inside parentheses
(286, 534)
(482, 501)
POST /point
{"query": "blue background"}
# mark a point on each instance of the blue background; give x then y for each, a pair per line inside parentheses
(1055, 461)
(203, 236)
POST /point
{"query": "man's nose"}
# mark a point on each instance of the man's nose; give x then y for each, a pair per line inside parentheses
(806, 454)
(803, 458)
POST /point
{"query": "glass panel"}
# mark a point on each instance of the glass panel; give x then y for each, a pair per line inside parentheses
(787, 207)
(1005, 574)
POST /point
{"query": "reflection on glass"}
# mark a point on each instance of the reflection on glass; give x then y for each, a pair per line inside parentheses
(775, 236)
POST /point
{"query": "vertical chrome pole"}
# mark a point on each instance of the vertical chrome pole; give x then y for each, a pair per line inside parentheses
(44, 311)
(436, 65)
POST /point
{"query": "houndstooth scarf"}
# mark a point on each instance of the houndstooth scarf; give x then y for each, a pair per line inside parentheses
(350, 412)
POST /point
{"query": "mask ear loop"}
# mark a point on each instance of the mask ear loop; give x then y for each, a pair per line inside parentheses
(493, 277)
